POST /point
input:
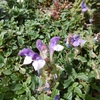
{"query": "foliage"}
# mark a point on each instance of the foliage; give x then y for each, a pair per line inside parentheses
(22, 23)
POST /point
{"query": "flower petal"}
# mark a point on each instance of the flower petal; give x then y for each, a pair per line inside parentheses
(53, 42)
(38, 64)
(76, 43)
(27, 60)
(39, 44)
(82, 42)
(58, 47)
(25, 52)
(84, 8)
(74, 38)
(36, 57)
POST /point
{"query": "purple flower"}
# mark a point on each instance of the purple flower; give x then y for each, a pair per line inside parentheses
(84, 8)
(74, 41)
(42, 48)
(25, 52)
(53, 42)
(32, 57)
(56, 97)
(39, 45)
(53, 46)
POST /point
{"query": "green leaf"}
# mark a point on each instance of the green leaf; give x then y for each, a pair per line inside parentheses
(28, 81)
(77, 98)
(16, 68)
(2, 96)
(89, 97)
(1, 61)
(21, 91)
(22, 97)
(77, 90)
(17, 87)
(75, 84)
(20, 40)
(1, 37)
(82, 76)
(14, 77)
(32, 98)
(68, 82)
(22, 70)
(7, 72)
(71, 56)
(54, 92)
(44, 97)
(68, 96)
(82, 59)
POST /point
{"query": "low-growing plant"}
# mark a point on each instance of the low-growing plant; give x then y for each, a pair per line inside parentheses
(32, 28)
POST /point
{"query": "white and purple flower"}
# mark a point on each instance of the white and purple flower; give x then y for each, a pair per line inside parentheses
(32, 57)
(39, 61)
(53, 46)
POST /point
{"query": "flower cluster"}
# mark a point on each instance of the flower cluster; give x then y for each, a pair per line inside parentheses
(38, 61)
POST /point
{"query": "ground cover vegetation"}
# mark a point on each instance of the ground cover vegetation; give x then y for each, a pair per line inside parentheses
(49, 50)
